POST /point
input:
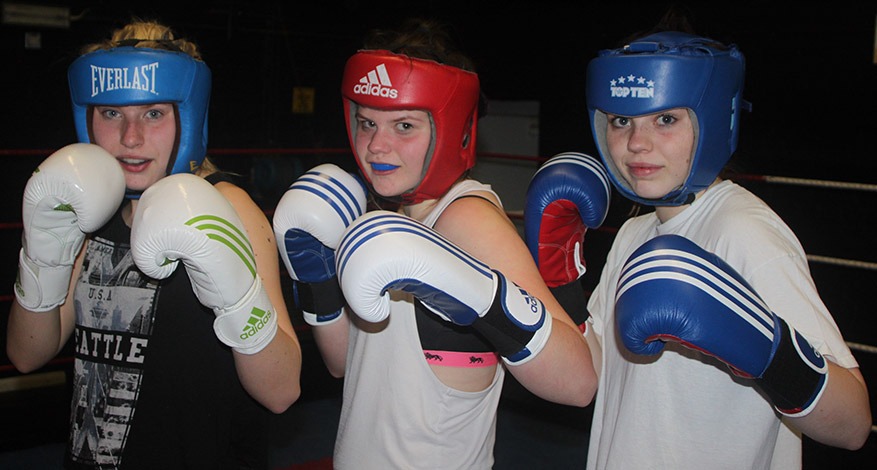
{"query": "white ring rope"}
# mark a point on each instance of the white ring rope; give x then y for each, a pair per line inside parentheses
(850, 263)
(809, 182)
(862, 347)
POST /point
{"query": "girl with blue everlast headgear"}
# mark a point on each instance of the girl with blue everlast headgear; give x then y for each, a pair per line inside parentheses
(175, 366)
(717, 351)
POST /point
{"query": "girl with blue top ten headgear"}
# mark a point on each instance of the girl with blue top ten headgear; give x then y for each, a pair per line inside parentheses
(717, 351)
(163, 271)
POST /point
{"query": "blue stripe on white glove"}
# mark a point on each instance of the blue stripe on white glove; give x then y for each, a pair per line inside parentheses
(385, 251)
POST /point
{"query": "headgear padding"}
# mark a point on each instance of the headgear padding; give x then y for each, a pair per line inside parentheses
(130, 76)
(664, 71)
(386, 81)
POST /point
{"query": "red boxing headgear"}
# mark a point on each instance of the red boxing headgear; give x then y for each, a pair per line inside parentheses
(383, 80)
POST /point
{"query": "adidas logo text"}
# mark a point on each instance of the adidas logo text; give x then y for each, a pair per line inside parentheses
(258, 319)
(376, 83)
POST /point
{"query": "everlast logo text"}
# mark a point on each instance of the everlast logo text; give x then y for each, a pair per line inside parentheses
(105, 79)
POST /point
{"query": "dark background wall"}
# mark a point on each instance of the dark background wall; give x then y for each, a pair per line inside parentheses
(810, 68)
(810, 77)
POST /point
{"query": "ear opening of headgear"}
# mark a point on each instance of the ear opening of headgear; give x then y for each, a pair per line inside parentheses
(383, 80)
(130, 76)
(664, 71)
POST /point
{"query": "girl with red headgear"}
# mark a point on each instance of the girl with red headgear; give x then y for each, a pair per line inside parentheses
(421, 386)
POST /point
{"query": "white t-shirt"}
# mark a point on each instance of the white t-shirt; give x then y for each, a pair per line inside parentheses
(682, 409)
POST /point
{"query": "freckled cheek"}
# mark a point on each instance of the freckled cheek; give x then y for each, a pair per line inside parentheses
(414, 157)
(621, 168)
(685, 167)
(616, 147)
(359, 138)
(359, 149)
(100, 134)
(361, 152)
(617, 160)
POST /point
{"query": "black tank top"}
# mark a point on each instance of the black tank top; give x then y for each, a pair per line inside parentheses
(177, 402)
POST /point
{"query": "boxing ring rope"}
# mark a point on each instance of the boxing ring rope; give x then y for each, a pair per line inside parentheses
(849, 263)
(808, 182)
(782, 180)
(516, 215)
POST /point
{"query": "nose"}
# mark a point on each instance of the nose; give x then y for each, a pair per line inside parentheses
(132, 134)
(639, 138)
(378, 142)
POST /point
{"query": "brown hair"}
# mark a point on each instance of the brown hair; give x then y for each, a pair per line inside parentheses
(421, 39)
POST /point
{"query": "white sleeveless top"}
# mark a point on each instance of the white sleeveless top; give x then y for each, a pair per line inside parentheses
(396, 413)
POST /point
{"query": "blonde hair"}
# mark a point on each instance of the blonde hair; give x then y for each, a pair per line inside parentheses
(141, 33)
(207, 168)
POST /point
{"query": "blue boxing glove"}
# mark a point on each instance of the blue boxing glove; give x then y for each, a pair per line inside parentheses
(308, 223)
(670, 289)
(569, 194)
(385, 251)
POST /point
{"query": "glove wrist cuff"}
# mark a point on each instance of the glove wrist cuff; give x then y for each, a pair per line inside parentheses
(796, 375)
(41, 288)
(517, 324)
(321, 320)
(320, 302)
(250, 324)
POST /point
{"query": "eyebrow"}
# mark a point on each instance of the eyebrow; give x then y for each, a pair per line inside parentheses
(405, 117)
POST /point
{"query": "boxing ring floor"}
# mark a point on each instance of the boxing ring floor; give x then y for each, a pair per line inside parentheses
(531, 433)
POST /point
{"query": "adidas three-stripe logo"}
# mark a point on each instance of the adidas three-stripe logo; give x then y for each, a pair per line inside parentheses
(376, 83)
(258, 319)
(378, 75)
(226, 233)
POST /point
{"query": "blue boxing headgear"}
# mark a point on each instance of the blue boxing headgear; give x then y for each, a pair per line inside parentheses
(664, 71)
(126, 76)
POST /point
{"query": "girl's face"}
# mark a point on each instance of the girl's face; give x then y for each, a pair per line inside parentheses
(653, 152)
(141, 138)
(391, 147)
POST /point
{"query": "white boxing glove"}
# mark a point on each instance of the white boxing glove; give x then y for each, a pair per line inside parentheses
(182, 217)
(74, 191)
(384, 251)
(308, 224)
